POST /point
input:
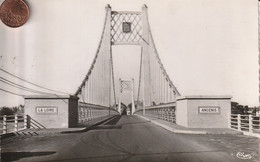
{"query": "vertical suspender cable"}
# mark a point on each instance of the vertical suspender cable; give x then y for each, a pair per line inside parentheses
(87, 82)
(94, 60)
(177, 92)
(97, 80)
(95, 84)
(101, 81)
(110, 79)
(140, 75)
(90, 90)
(160, 84)
(113, 77)
(164, 88)
(83, 93)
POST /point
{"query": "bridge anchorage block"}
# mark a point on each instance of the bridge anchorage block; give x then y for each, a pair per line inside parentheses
(53, 111)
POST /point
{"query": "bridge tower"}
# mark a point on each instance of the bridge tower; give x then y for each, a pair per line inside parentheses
(126, 86)
(127, 28)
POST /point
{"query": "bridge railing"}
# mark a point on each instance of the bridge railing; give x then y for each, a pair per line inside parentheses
(245, 123)
(164, 112)
(88, 112)
(13, 123)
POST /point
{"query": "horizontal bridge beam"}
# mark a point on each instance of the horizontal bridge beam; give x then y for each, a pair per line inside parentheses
(171, 104)
(82, 104)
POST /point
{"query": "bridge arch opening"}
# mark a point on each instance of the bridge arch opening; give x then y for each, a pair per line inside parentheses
(126, 62)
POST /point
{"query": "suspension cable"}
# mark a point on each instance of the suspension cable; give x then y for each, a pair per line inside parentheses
(113, 77)
(12, 92)
(140, 75)
(31, 82)
(20, 86)
(157, 55)
(95, 58)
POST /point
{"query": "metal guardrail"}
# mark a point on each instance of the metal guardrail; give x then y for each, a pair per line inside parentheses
(88, 112)
(246, 123)
(18, 122)
(13, 123)
(164, 112)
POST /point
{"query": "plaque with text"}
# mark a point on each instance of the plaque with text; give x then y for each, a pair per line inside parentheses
(209, 110)
(46, 110)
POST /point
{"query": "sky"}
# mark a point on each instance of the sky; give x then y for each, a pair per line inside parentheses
(207, 47)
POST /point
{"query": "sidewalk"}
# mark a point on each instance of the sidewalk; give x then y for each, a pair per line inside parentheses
(180, 129)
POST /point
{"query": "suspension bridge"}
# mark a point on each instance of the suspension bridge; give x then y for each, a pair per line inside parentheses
(97, 92)
(108, 135)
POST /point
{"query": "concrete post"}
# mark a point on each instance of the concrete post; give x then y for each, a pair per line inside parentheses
(164, 113)
(250, 123)
(230, 121)
(25, 121)
(80, 114)
(28, 124)
(120, 93)
(133, 100)
(16, 123)
(239, 122)
(87, 114)
(90, 112)
(4, 125)
(84, 114)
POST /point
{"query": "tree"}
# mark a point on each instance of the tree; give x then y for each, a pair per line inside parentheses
(246, 109)
(254, 111)
(6, 111)
(11, 110)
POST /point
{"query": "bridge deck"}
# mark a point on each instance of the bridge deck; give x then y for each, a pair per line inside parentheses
(128, 138)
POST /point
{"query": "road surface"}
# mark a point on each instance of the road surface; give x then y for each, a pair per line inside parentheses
(129, 139)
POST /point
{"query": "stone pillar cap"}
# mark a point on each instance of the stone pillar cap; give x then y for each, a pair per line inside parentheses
(50, 97)
(204, 97)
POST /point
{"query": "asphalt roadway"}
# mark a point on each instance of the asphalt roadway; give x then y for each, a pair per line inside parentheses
(129, 139)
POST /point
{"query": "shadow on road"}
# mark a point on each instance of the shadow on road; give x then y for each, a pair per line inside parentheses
(133, 123)
(14, 156)
(106, 127)
(111, 124)
(114, 121)
(107, 124)
(144, 156)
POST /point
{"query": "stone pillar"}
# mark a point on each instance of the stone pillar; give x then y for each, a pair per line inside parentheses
(52, 111)
(203, 111)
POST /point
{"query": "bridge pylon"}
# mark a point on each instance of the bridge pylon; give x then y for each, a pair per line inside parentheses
(126, 85)
(127, 28)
